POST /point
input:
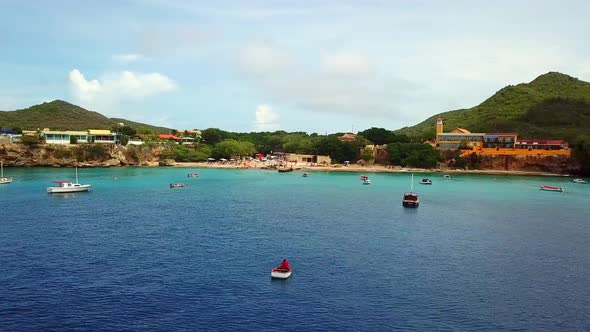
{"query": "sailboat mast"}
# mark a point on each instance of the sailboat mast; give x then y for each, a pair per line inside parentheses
(412, 186)
(1, 168)
(76, 174)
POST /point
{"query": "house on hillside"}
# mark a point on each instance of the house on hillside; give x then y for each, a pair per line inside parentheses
(64, 137)
(348, 137)
(169, 137)
(103, 136)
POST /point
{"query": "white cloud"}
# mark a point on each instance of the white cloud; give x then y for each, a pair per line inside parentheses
(119, 86)
(334, 82)
(127, 58)
(266, 119)
(262, 59)
(346, 64)
(84, 89)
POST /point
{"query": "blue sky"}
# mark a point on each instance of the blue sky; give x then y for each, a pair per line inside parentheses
(315, 66)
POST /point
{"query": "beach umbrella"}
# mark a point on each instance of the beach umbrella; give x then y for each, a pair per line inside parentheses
(211, 159)
(222, 159)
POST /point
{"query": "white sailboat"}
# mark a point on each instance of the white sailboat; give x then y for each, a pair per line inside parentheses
(68, 187)
(3, 180)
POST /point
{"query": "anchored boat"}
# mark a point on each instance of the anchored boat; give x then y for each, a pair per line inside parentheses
(551, 188)
(3, 180)
(425, 181)
(411, 199)
(68, 186)
(581, 181)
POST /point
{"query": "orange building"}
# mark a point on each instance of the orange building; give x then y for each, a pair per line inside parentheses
(496, 143)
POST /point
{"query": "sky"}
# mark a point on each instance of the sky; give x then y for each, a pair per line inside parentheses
(307, 65)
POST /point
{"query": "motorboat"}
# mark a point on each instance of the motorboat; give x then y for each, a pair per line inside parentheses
(178, 185)
(581, 181)
(3, 180)
(366, 181)
(68, 186)
(425, 181)
(305, 175)
(282, 271)
(551, 188)
(447, 177)
(364, 177)
(411, 199)
(285, 170)
(193, 175)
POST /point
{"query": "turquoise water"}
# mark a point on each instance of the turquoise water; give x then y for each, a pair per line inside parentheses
(480, 253)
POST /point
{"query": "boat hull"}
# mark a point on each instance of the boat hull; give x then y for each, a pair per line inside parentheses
(549, 188)
(280, 274)
(59, 190)
(410, 204)
(5, 180)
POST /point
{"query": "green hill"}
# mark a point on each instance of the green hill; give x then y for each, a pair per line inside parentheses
(61, 115)
(553, 106)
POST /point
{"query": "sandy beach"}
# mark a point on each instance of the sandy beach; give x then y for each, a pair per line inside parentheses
(358, 169)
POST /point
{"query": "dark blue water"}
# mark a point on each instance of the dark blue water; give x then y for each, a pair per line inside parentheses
(481, 252)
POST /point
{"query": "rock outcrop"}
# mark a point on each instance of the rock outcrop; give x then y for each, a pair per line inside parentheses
(81, 155)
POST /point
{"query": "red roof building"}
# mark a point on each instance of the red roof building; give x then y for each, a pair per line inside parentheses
(168, 136)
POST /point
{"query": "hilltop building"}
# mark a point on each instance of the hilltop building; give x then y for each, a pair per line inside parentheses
(496, 143)
(348, 137)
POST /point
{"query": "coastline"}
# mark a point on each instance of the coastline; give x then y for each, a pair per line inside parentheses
(364, 169)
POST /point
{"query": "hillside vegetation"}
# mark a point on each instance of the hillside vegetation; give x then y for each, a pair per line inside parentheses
(61, 115)
(553, 106)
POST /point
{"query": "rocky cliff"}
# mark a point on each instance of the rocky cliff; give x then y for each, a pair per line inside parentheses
(83, 155)
(549, 164)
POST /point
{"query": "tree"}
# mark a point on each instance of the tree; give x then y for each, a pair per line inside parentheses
(231, 148)
(367, 155)
(581, 152)
(124, 139)
(212, 135)
(378, 136)
(73, 139)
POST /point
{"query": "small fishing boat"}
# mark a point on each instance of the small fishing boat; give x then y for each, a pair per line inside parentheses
(366, 181)
(178, 185)
(447, 177)
(68, 186)
(194, 175)
(581, 181)
(411, 199)
(364, 177)
(282, 271)
(285, 170)
(425, 181)
(3, 180)
(305, 175)
(551, 188)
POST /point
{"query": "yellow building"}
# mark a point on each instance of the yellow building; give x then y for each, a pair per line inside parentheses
(308, 159)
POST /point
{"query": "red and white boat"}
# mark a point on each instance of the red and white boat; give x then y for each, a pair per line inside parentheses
(550, 188)
(282, 271)
(194, 175)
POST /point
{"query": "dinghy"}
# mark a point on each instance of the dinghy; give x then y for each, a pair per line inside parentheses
(550, 188)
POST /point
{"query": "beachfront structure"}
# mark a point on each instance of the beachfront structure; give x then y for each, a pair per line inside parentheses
(64, 137)
(308, 158)
(103, 136)
(193, 133)
(496, 143)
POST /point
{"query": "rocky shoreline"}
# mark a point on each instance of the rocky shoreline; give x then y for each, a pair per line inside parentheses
(96, 155)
